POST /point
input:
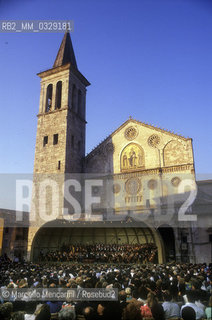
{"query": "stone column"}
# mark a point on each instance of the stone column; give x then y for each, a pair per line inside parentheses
(31, 235)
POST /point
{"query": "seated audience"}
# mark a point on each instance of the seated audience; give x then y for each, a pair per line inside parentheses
(140, 285)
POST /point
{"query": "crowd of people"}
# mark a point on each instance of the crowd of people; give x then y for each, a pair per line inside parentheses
(145, 291)
(113, 253)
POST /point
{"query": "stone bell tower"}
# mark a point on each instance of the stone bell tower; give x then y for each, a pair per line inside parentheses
(60, 141)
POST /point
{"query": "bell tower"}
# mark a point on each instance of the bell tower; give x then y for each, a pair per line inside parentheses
(60, 141)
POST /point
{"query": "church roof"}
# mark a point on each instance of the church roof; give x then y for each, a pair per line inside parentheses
(130, 120)
(66, 53)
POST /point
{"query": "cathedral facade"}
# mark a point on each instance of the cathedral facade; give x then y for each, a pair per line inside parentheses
(132, 188)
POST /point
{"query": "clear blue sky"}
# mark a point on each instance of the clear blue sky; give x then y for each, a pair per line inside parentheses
(151, 59)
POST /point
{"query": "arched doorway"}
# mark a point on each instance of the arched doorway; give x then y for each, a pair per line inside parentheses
(167, 234)
(53, 238)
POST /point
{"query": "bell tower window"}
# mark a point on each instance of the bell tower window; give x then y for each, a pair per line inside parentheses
(79, 102)
(49, 98)
(55, 138)
(58, 95)
(45, 141)
(74, 93)
(72, 141)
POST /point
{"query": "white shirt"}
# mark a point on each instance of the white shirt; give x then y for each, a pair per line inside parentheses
(171, 309)
(29, 317)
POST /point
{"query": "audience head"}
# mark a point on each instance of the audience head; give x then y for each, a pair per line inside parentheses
(151, 299)
(67, 313)
(19, 315)
(88, 313)
(6, 310)
(122, 296)
(191, 295)
(132, 311)
(42, 312)
(188, 313)
(167, 296)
